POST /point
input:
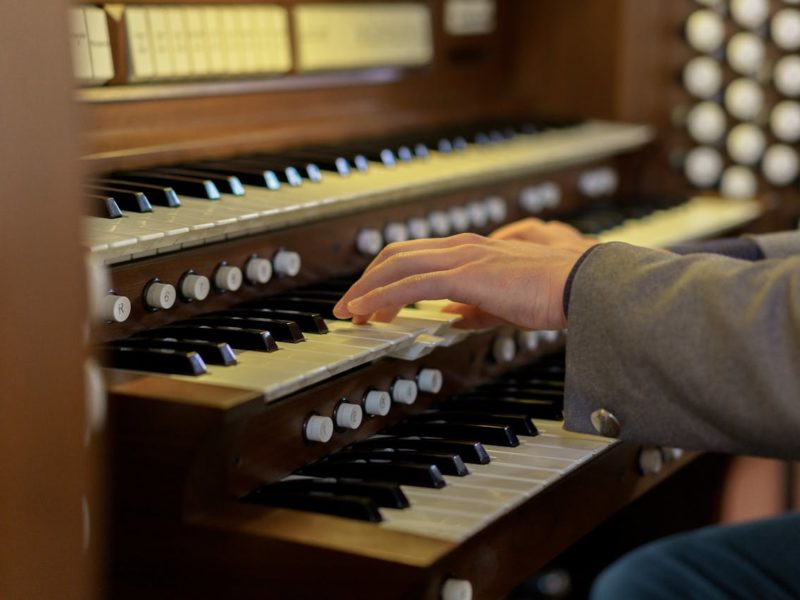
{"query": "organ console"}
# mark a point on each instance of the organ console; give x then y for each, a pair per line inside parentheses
(244, 162)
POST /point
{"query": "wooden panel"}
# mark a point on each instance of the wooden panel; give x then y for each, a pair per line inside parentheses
(43, 460)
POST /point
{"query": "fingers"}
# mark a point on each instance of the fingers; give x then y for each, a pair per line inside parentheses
(473, 317)
(403, 266)
(525, 229)
(427, 286)
(424, 244)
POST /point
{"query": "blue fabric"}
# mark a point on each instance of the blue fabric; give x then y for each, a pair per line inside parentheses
(752, 561)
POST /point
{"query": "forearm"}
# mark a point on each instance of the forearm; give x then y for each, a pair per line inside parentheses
(698, 352)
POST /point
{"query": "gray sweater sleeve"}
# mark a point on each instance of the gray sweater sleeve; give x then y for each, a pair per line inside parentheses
(779, 245)
(699, 352)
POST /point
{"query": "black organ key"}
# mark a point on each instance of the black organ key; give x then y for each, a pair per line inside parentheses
(496, 435)
(355, 159)
(157, 194)
(308, 322)
(237, 337)
(524, 385)
(470, 452)
(323, 307)
(535, 409)
(389, 495)
(156, 360)
(126, 199)
(104, 206)
(247, 174)
(141, 205)
(284, 173)
(213, 353)
(351, 507)
(197, 187)
(228, 184)
(377, 153)
(321, 160)
(517, 392)
(520, 424)
(448, 464)
(281, 330)
(403, 473)
(305, 169)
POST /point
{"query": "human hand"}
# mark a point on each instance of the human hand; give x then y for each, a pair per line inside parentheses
(549, 233)
(494, 280)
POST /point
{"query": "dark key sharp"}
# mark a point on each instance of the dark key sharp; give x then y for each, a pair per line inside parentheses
(470, 452)
(350, 507)
(536, 409)
(126, 199)
(323, 307)
(520, 424)
(497, 435)
(354, 159)
(104, 206)
(282, 331)
(449, 464)
(157, 360)
(515, 386)
(237, 337)
(305, 169)
(337, 164)
(138, 205)
(308, 322)
(157, 194)
(249, 175)
(228, 184)
(389, 495)
(213, 353)
(285, 174)
(190, 186)
(403, 473)
(519, 393)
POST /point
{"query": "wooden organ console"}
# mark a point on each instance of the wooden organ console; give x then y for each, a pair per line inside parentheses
(243, 162)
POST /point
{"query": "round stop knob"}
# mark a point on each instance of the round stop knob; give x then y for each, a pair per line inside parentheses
(318, 429)
(404, 391)
(258, 270)
(195, 287)
(456, 589)
(369, 242)
(228, 278)
(395, 232)
(159, 295)
(115, 308)
(503, 349)
(440, 223)
(349, 416)
(287, 263)
(377, 403)
(419, 228)
(430, 380)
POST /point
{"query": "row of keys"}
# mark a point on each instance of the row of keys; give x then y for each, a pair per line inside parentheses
(348, 415)
(194, 287)
(224, 199)
(92, 62)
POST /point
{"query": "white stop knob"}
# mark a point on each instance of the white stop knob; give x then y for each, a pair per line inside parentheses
(404, 391)
(478, 214)
(528, 340)
(395, 232)
(746, 53)
(349, 416)
(702, 76)
(287, 263)
(785, 121)
(440, 223)
(419, 228)
(738, 182)
(228, 278)
(258, 270)
(430, 380)
(705, 30)
(706, 122)
(319, 429)
(369, 242)
(497, 208)
(703, 166)
(160, 295)
(787, 75)
(785, 29)
(195, 287)
(115, 308)
(780, 164)
(651, 461)
(750, 13)
(459, 218)
(744, 99)
(457, 589)
(503, 349)
(746, 144)
(377, 403)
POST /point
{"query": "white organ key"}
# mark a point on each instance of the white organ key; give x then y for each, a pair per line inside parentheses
(181, 44)
(79, 46)
(162, 44)
(197, 39)
(99, 44)
(215, 41)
